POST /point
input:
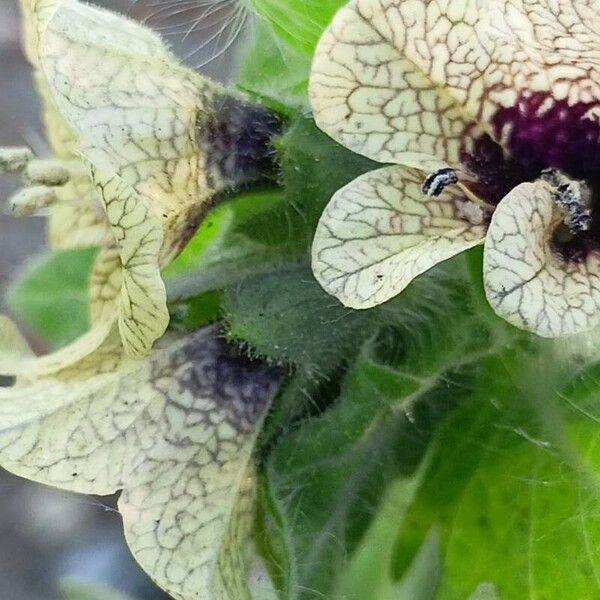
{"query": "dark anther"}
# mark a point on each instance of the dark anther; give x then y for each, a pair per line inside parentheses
(7, 381)
(435, 183)
(569, 196)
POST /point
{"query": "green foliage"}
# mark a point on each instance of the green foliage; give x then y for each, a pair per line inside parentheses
(79, 590)
(218, 240)
(286, 316)
(515, 502)
(298, 22)
(275, 72)
(326, 479)
(360, 580)
(222, 251)
(51, 295)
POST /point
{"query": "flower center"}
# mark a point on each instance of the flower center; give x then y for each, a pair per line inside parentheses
(540, 137)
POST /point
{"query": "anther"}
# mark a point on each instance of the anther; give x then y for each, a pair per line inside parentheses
(14, 160)
(46, 172)
(29, 200)
(436, 182)
(570, 197)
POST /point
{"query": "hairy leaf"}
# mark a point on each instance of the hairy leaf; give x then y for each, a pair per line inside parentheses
(513, 485)
(298, 22)
(370, 574)
(326, 479)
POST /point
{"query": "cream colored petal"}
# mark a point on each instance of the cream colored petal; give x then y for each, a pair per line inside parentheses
(77, 226)
(72, 223)
(142, 303)
(14, 349)
(392, 77)
(174, 431)
(135, 108)
(106, 280)
(488, 54)
(49, 364)
(527, 282)
(370, 97)
(380, 232)
(136, 111)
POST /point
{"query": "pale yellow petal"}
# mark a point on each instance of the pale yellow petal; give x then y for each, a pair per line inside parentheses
(174, 431)
(31, 366)
(487, 54)
(392, 78)
(380, 232)
(370, 97)
(14, 349)
(527, 281)
(78, 225)
(106, 280)
(142, 303)
(72, 223)
(135, 108)
(136, 112)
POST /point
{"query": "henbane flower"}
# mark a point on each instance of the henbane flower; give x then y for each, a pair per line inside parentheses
(174, 432)
(141, 145)
(489, 112)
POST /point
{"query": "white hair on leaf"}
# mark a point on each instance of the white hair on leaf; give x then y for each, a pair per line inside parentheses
(205, 33)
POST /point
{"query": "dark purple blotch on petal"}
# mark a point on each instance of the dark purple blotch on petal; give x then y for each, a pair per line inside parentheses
(494, 172)
(237, 140)
(218, 370)
(540, 132)
(535, 134)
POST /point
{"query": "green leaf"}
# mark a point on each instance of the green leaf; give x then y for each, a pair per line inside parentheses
(51, 296)
(285, 315)
(299, 22)
(80, 590)
(275, 72)
(421, 580)
(369, 574)
(222, 252)
(217, 240)
(484, 591)
(513, 487)
(326, 478)
(192, 313)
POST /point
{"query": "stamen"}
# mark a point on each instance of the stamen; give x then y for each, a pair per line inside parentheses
(569, 196)
(14, 160)
(47, 172)
(436, 182)
(29, 200)
(40, 178)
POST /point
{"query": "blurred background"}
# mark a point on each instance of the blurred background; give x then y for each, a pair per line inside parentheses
(47, 535)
